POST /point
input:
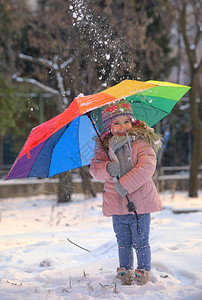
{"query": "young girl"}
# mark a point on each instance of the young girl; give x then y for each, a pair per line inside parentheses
(131, 147)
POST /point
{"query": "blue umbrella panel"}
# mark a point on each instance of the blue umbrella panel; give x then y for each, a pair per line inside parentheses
(75, 148)
(70, 147)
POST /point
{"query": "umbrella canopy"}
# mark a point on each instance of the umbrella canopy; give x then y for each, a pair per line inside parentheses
(65, 142)
(151, 104)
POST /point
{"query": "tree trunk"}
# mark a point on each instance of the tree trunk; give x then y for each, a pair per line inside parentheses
(195, 163)
(86, 182)
(195, 70)
(197, 140)
(65, 187)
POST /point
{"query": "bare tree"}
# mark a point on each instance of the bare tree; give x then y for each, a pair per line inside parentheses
(189, 14)
(75, 46)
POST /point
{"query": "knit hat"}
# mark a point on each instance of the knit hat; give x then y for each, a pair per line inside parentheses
(114, 110)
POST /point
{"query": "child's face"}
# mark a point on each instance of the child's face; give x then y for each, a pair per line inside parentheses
(121, 125)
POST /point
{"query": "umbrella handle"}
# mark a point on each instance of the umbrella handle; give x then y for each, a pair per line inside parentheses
(101, 141)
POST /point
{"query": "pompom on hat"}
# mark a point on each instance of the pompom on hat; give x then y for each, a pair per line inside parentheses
(114, 110)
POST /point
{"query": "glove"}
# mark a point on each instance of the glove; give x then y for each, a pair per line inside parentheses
(113, 168)
(124, 158)
(116, 142)
(120, 189)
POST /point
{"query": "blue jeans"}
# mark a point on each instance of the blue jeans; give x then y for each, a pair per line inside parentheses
(125, 228)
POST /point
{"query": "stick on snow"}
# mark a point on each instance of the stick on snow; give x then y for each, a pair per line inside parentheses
(77, 245)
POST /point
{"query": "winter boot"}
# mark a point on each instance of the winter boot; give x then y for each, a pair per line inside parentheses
(142, 276)
(126, 277)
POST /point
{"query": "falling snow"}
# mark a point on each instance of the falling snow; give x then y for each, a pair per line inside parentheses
(95, 26)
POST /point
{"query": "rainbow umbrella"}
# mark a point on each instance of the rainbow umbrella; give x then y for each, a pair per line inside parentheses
(66, 141)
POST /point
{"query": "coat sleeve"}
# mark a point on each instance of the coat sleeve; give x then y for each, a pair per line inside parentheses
(98, 166)
(142, 171)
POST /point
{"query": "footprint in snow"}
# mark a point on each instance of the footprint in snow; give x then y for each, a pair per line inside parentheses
(185, 277)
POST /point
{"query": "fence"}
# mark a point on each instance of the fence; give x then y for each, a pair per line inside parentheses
(169, 178)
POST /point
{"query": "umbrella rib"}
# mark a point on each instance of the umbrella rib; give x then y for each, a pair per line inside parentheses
(58, 139)
(55, 143)
(37, 157)
(79, 142)
(159, 107)
(51, 153)
(153, 105)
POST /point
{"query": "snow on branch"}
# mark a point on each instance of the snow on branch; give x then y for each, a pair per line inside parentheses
(60, 83)
(46, 62)
(184, 107)
(52, 65)
(66, 63)
(35, 82)
(41, 61)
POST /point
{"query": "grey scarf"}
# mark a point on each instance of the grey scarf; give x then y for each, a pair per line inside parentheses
(120, 146)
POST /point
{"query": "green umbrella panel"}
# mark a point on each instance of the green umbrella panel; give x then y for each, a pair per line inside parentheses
(151, 105)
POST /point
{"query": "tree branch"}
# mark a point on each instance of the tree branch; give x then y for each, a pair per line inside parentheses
(66, 63)
(36, 83)
(46, 62)
(182, 13)
(196, 12)
(54, 66)
(41, 61)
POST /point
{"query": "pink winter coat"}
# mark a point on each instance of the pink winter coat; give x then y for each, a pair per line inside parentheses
(138, 182)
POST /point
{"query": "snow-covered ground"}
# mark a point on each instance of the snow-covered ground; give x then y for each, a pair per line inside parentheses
(38, 262)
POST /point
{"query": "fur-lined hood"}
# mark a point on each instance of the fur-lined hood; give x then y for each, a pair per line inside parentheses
(146, 135)
(136, 133)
